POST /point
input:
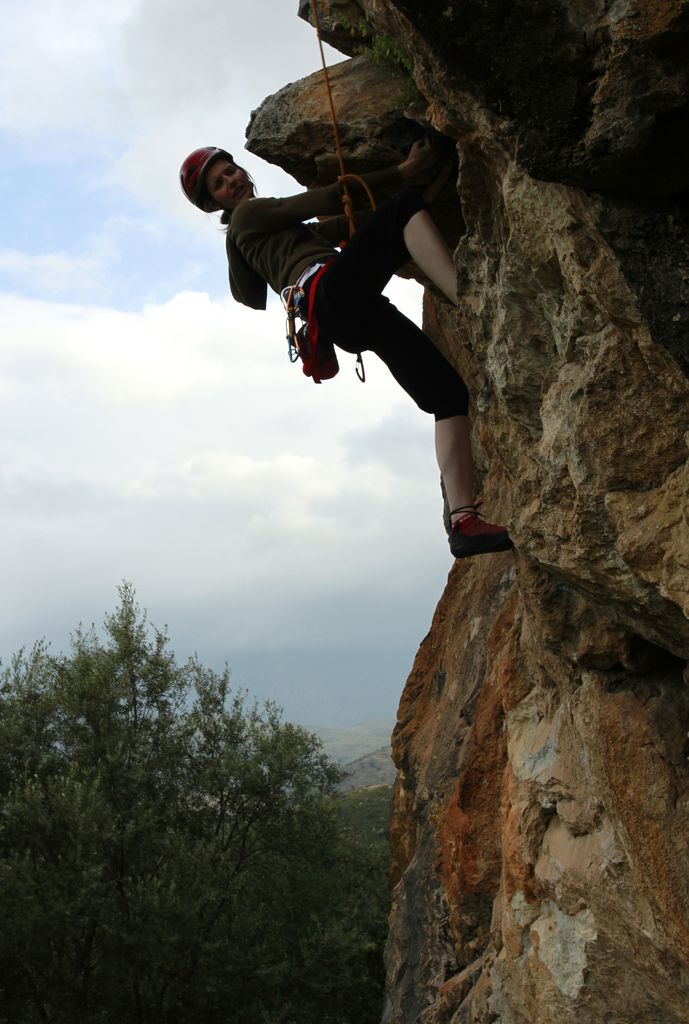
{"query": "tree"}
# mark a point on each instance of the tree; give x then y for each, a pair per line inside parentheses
(169, 852)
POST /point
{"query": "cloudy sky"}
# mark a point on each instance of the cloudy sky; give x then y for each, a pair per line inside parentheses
(152, 429)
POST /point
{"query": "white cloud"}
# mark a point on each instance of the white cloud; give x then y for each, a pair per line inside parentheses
(156, 356)
(52, 272)
(59, 60)
(187, 345)
(88, 270)
(177, 447)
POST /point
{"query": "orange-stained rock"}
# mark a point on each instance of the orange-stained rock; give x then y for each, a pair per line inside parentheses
(468, 837)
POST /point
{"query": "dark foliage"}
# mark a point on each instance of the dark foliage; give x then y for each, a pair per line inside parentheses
(169, 853)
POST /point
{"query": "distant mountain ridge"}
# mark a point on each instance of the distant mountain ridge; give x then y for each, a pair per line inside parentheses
(357, 741)
(374, 769)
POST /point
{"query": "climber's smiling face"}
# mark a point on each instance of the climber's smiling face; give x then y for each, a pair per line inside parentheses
(227, 184)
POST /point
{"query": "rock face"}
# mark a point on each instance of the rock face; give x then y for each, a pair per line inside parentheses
(293, 124)
(541, 824)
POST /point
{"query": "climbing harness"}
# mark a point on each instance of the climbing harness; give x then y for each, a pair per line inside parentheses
(318, 357)
(320, 363)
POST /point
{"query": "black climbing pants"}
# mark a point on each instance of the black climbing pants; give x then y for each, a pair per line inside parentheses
(354, 315)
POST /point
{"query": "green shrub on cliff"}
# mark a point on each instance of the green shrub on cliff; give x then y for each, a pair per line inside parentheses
(169, 853)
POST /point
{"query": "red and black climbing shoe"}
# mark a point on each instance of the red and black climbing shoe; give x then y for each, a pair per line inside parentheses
(472, 535)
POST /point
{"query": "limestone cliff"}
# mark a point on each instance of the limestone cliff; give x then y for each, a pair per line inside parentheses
(541, 825)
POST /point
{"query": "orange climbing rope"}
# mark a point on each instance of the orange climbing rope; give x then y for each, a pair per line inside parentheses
(304, 342)
(343, 177)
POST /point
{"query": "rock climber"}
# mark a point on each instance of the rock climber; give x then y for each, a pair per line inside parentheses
(268, 243)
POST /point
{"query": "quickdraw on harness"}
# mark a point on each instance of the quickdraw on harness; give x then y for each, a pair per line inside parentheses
(303, 342)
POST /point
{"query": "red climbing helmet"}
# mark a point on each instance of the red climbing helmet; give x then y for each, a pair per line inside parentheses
(192, 173)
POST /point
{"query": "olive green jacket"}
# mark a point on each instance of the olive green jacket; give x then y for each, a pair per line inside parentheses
(268, 244)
